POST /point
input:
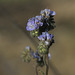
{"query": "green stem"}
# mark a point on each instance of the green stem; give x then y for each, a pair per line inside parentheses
(46, 69)
(36, 70)
(47, 65)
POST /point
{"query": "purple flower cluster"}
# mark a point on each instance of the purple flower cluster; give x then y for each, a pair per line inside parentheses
(44, 21)
(34, 23)
(46, 41)
(39, 27)
(45, 36)
(47, 12)
(36, 55)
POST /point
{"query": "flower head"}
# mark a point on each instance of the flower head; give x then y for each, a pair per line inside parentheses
(31, 25)
(34, 23)
(47, 12)
(36, 55)
(38, 22)
(45, 36)
(26, 54)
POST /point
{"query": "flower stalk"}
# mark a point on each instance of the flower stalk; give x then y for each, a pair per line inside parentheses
(39, 26)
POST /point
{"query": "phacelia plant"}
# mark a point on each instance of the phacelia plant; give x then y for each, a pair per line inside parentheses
(38, 27)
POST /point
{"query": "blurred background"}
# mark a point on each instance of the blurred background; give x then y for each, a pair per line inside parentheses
(14, 37)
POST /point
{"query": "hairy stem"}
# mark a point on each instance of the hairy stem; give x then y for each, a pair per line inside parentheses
(36, 69)
(46, 69)
(47, 65)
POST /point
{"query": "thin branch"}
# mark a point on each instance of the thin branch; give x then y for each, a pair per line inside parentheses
(36, 69)
(47, 65)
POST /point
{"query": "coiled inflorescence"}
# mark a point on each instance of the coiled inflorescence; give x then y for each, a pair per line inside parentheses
(39, 27)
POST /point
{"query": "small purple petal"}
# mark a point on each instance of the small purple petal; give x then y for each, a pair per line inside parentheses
(51, 35)
(38, 22)
(39, 17)
(49, 56)
(41, 37)
(53, 13)
(36, 56)
(41, 23)
(46, 42)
